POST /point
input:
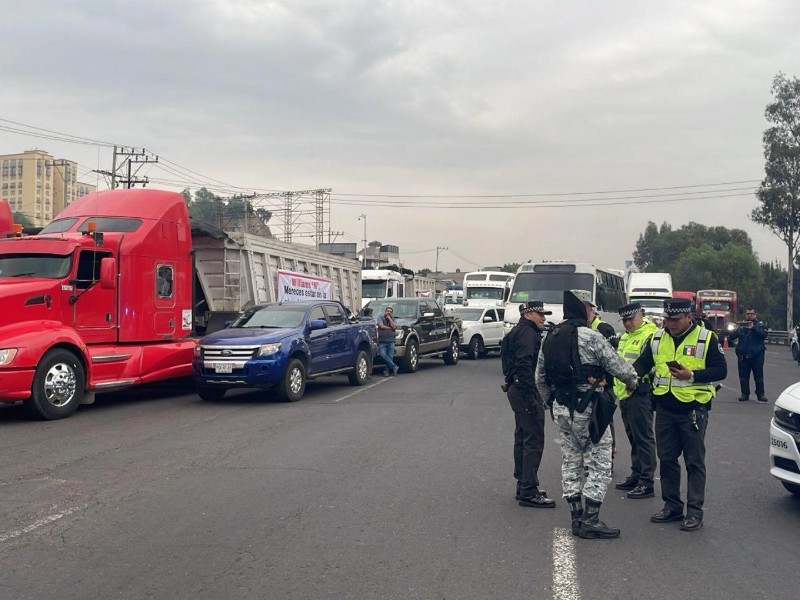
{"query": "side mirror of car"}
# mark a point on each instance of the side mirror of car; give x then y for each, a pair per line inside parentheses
(227, 324)
(488, 320)
(428, 315)
(317, 324)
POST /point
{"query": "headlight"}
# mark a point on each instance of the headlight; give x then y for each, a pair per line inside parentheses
(269, 349)
(730, 327)
(7, 355)
(197, 350)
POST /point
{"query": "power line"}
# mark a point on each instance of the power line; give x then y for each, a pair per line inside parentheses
(64, 137)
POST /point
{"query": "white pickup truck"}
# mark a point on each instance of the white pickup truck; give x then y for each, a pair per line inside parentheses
(481, 329)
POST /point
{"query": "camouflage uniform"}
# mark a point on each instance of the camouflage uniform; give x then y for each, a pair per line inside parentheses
(593, 349)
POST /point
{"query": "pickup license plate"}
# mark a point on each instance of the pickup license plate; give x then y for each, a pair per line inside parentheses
(223, 367)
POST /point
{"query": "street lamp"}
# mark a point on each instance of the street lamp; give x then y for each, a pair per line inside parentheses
(364, 217)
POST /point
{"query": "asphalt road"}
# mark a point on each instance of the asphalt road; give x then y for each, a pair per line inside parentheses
(399, 489)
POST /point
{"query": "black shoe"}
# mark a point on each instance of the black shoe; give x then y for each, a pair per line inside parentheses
(640, 492)
(691, 523)
(744, 398)
(592, 528)
(666, 516)
(518, 490)
(763, 399)
(630, 483)
(539, 501)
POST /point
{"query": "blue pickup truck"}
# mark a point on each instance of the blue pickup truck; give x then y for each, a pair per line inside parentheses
(280, 346)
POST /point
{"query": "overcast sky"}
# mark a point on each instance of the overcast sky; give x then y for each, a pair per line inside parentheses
(408, 97)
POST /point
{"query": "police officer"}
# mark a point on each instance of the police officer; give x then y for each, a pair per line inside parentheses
(687, 360)
(578, 451)
(637, 407)
(749, 338)
(519, 353)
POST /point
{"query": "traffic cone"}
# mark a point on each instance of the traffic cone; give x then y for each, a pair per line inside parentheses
(725, 345)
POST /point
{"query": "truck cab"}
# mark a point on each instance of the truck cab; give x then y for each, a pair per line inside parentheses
(100, 299)
(6, 220)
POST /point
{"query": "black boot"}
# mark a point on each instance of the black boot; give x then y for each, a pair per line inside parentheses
(592, 527)
(576, 510)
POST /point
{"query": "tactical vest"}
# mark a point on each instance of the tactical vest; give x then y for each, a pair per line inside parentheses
(690, 353)
(630, 347)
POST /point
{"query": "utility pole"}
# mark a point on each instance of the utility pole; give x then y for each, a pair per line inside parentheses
(364, 217)
(438, 248)
(128, 175)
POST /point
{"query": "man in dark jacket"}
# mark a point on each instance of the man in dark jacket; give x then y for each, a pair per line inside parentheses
(749, 338)
(519, 353)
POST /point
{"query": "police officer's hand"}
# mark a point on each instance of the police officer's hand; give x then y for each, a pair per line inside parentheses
(682, 373)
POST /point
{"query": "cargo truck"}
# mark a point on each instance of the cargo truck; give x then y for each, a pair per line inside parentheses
(113, 291)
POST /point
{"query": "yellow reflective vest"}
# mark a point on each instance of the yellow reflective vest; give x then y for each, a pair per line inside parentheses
(596, 323)
(690, 353)
(630, 347)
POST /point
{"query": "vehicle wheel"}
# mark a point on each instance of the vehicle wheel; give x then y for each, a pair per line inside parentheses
(475, 348)
(451, 356)
(211, 394)
(58, 386)
(792, 487)
(293, 386)
(410, 361)
(361, 370)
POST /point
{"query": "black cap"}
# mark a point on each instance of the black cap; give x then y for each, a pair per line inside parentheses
(677, 307)
(534, 306)
(630, 310)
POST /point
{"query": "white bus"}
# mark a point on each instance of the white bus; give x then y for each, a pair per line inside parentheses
(548, 280)
(487, 288)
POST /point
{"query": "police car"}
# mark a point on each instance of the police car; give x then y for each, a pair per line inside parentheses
(784, 435)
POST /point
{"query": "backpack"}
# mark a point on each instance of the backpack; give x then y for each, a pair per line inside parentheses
(562, 362)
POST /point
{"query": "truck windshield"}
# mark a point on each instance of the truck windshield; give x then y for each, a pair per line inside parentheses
(35, 265)
(710, 305)
(402, 309)
(549, 287)
(468, 314)
(650, 303)
(373, 288)
(484, 293)
(271, 317)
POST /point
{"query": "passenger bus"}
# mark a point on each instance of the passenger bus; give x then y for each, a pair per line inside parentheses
(547, 281)
(487, 288)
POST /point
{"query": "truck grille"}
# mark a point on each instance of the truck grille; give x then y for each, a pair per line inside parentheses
(235, 356)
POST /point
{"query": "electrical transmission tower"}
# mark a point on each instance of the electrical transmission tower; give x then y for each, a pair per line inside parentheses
(306, 213)
(123, 173)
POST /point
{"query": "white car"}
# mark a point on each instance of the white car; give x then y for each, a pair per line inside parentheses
(481, 329)
(784, 437)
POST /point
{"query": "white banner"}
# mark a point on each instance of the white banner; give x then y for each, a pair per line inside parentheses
(294, 287)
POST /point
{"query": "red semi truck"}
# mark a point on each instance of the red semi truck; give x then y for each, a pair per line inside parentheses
(96, 301)
(720, 308)
(6, 220)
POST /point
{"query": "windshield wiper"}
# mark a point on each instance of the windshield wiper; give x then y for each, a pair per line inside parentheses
(27, 274)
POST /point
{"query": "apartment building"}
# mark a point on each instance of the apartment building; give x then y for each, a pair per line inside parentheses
(38, 185)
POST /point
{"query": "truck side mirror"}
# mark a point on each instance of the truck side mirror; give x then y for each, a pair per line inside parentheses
(108, 273)
(317, 324)
(487, 319)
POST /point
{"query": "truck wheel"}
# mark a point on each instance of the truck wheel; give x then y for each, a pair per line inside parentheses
(58, 386)
(293, 386)
(410, 361)
(451, 356)
(211, 394)
(475, 348)
(792, 487)
(361, 369)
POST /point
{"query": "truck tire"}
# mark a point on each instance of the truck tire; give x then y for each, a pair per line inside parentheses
(451, 356)
(361, 369)
(58, 386)
(475, 348)
(211, 394)
(293, 386)
(792, 487)
(410, 362)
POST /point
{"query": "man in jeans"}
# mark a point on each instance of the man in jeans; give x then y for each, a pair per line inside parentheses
(386, 329)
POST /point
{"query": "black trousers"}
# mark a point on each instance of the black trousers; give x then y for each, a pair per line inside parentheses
(676, 435)
(754, 363)
(528, 440)
(637, 416)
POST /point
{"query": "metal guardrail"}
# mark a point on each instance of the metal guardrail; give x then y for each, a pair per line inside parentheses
(780, 338)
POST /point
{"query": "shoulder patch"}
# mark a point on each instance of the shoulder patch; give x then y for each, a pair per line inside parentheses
(721, 351)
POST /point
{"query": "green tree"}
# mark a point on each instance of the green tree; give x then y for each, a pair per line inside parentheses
(187, 195)
(424, 272)
(22, 219)
(206, 207)
(511, 267)
(780, 189)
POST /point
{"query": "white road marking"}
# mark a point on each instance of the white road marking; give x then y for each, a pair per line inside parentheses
(361, 390)
(565, 572)
(39, 523)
